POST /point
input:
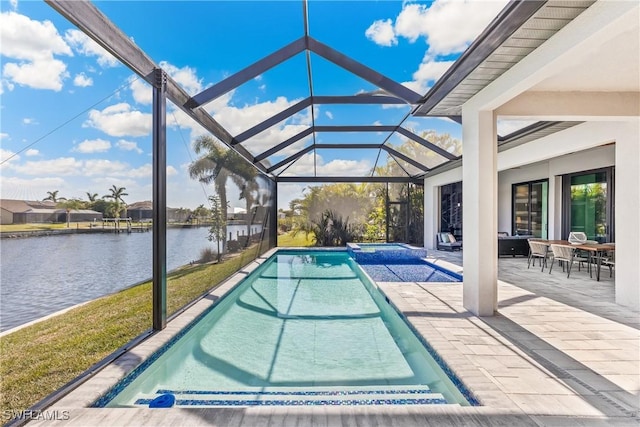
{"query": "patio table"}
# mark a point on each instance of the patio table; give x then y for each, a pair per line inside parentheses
(595, 251)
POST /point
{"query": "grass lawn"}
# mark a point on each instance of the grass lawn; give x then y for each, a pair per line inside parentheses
(41, 358)
(299, 240)
(38, 227)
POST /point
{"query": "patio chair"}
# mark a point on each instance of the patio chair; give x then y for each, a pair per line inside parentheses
(538, 250)
(610, 261)
(448, 241)
(565, 254)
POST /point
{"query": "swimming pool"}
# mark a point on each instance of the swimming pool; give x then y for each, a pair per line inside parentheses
(305, 328)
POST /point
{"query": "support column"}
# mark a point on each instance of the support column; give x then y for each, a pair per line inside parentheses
(554, 216)
(479, 212)
(273, 218)
(431, 213)
(627, 220)
(159, 200)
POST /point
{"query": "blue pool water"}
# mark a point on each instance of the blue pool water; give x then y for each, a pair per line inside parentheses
(394, 262)
(305, 328)
(408, 271)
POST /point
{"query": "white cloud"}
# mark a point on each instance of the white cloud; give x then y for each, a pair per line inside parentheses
(6, 156)
(14, 4)
(128, 146)
(381, 32)
(447, 26)
(29, 121)
(338, 167)
(27, 39)
(185, 76)
(93, 146)
(171, 171)
(428, 73)
(86, 46)
(104, 167)
(40, 74)
(120, 120)
(329, 114)
(82, 80)
(236, 120)
(13, 187)
(59, 166)
(144, 171)
(141, 90)
(431, 71)
(32, 152)
(34, 44)
(287, 192)
(4, 135)
(262, 87)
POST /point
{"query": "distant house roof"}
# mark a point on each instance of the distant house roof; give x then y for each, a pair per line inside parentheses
(19, 206)
(145, 205)
(41, 211)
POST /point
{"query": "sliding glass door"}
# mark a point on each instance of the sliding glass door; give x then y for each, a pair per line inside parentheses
(451, 209)
(589, 204)
(530, 208)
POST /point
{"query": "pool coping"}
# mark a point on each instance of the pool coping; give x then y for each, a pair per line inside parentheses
(478, 380)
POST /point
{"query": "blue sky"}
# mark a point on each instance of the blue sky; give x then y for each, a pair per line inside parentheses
(75, 120)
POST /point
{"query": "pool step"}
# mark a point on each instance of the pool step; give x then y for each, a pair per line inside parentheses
(275, 396)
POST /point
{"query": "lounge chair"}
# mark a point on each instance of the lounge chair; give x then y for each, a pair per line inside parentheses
(447, 241)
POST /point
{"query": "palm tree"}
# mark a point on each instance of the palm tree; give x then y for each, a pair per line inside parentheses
(70, 205)
(216, 164)
(117, 194)
(247, 193)
(92, 197)
(53, 196)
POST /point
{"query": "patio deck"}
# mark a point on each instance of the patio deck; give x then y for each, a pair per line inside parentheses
(559, 352)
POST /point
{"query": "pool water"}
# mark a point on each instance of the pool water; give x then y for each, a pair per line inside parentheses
(304, 328)
(394, 262)
(408, 271)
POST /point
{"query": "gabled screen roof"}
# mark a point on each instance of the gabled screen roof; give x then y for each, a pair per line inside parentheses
(311, 89)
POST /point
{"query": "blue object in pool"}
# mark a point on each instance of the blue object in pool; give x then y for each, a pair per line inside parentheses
(163, 401)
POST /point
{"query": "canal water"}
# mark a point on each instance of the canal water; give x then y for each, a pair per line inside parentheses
(42, 275)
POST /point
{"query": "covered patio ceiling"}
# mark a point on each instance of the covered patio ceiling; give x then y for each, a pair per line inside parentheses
(398, 152)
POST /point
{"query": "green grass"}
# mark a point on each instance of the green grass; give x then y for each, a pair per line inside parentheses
(38, 227)
(299, 240)
(41, 358)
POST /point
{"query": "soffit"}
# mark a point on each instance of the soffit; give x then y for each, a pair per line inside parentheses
(551, 17)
